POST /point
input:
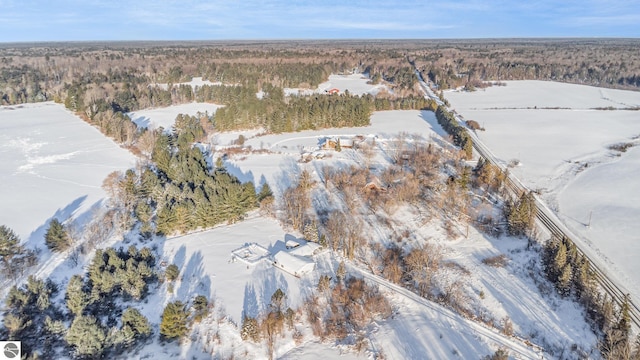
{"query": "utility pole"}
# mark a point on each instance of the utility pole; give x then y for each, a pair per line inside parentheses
(590, 214)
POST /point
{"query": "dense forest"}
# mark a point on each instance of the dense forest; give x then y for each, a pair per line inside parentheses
(605, 63)
(103, 70)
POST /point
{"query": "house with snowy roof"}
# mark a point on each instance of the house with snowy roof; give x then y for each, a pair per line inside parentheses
(293, 264)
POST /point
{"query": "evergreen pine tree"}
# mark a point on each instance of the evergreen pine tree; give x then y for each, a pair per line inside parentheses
(56, 237)
(54, 327)
(87, 336)
(310, 232)
(559, 261)
(172, 272)
(10, 250)
(174, 321)
(133, 319)
(76, 298)
(277, 300)
(624, 320)
(249, 329)
(521, 215)
(265, 192)
(564, 280)
(200, 307)
(16, 324)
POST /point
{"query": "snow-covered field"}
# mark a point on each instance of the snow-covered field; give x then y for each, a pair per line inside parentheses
(542, 94)
(194, 83)
(564, 154)
(52, 164)
(355, 83)
(166, 117)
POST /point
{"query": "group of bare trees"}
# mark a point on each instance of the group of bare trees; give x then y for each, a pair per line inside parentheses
(345, 308)
(361, 198)
(271, 325)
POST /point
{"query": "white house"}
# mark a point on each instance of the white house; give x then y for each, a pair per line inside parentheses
(293, 264)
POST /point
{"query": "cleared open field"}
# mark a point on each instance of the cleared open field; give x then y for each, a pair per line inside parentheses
(52, 164)
(562, 143)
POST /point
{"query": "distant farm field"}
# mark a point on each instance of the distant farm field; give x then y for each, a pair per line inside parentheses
(565, 143)
(52, 164)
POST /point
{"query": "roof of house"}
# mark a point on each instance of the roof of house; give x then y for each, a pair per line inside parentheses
(293, 264)
(307, 249)
(292, 244)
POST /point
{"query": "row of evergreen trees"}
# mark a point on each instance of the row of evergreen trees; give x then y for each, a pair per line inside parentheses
(570, 271)
(460, 136)
(278, 114)
(242, 110)
(290, 74)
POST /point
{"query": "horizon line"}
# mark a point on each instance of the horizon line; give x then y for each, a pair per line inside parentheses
(311, 40)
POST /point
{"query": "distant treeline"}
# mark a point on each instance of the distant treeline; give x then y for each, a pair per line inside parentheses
(40, 73)
(597, 62)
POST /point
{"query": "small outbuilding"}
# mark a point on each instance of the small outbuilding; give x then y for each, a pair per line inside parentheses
(307, 249)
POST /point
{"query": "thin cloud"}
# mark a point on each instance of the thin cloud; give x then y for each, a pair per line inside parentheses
(628, 19)
(259, 19)
(385, 26)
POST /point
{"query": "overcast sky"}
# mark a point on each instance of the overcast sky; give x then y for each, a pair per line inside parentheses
(61, 20)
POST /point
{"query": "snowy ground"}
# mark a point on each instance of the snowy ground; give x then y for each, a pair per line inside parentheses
(355, 83)
(280, 164)
(564, 154)
(166, 117)
(418, 329)
(508, 292)
(206, 264)
(236, 289)
(52, 164)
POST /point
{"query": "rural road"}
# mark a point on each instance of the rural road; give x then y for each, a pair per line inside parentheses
(516, 346)
(547, 219)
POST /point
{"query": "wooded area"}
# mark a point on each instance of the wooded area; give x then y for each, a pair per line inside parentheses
(174, 190)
